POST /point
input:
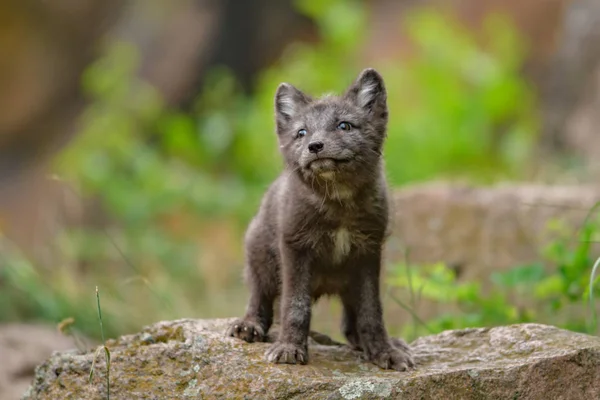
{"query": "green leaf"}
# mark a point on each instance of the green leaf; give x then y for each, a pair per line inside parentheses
(523, 275)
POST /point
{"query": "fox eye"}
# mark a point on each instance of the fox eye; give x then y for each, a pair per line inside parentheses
(301, 133)
(344, 126)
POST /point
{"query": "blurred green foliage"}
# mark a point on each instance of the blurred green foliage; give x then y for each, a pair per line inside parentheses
(553, 291)
(458, 108)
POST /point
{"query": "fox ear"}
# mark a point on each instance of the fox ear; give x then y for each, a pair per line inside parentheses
(368, 91)
(288, 102)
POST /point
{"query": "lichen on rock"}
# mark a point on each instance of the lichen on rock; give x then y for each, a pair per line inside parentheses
(192, 359)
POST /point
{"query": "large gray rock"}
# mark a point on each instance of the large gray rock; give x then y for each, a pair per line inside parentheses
(191, 359)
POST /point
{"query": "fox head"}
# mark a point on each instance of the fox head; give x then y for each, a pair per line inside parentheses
(335, 139)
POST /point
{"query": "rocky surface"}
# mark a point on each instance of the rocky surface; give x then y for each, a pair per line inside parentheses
(22, 348)
(191, 359)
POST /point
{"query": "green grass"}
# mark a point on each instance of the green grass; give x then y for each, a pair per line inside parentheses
(103, 347)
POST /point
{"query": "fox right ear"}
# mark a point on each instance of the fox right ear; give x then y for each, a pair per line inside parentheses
(368, 91)
(288, 102)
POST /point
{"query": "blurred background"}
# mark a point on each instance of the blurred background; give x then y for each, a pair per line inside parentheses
(137, 137)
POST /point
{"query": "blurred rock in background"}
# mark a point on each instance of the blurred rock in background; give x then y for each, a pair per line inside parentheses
(23, 347)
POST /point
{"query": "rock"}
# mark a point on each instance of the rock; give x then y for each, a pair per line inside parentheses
(22, 347)
(191, 359)
(481, 229)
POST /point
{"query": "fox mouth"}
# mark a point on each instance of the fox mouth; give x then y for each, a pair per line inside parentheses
(326, 163)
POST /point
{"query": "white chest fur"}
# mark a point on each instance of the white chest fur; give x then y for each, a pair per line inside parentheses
(342, 242)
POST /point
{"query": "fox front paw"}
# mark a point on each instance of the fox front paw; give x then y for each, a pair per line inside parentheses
(246, 330)
(396, 358)
(287, 353)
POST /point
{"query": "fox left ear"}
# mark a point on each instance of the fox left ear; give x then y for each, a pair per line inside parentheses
(368, 91)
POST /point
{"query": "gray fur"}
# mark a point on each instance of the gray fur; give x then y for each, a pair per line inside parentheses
(322, 224)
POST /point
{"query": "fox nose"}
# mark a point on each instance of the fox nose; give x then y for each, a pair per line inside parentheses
(315, 147)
